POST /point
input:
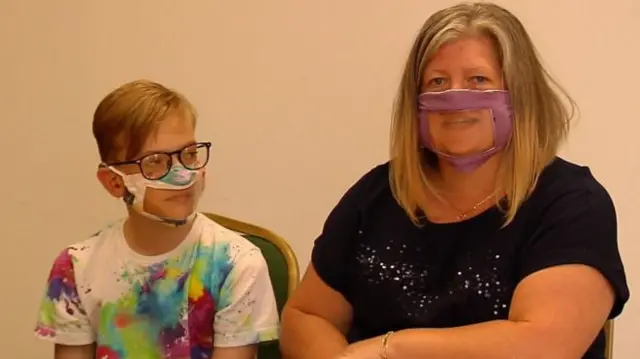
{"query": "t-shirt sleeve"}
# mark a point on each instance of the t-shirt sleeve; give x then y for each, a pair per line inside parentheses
(580, 227)
(246, 310)
(335, 244)
(62, 318)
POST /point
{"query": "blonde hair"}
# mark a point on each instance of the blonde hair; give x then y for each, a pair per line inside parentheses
(126, 118)
(541, 118)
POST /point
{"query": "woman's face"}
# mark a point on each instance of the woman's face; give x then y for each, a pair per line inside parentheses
(467, 63)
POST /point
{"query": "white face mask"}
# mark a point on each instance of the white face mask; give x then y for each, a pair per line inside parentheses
(178, 178)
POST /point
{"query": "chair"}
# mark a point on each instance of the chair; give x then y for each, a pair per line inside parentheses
(608, 331)
(282, 262)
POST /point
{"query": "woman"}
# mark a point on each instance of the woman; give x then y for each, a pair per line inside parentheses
(475, 241)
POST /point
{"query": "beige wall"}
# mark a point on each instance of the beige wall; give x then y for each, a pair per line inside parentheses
(295, 95)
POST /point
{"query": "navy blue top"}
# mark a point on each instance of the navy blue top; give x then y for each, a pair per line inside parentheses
(397, 275)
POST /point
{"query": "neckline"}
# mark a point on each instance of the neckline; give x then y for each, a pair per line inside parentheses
(149, 260)
(490, 214)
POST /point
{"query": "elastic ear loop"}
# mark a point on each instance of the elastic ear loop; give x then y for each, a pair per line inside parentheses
(127, 198)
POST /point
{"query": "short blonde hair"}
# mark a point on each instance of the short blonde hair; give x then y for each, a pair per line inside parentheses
(126, 118)
(541, 117)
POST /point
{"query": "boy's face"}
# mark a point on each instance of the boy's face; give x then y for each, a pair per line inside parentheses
(173, 134)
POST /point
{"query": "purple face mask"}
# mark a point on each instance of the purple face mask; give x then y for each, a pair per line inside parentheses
(497, 101)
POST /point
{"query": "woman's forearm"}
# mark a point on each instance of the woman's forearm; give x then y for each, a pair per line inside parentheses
(310, 337)
(496, 340)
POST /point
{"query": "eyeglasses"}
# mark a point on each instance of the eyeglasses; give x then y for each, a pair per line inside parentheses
(156, 165)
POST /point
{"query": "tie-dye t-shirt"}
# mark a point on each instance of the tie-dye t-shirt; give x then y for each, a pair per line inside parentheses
(213, 290)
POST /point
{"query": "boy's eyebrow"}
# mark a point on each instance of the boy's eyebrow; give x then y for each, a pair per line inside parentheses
(154, 151)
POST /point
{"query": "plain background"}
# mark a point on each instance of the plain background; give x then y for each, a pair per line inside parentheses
(295, 96)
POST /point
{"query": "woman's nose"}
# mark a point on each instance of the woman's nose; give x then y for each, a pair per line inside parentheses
(458, 84)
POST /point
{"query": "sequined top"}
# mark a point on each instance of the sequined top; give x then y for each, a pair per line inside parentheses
(397, 275)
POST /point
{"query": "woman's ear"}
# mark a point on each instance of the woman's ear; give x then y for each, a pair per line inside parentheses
(111, 182)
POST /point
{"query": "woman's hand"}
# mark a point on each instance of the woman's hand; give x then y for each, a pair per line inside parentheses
(365, 349)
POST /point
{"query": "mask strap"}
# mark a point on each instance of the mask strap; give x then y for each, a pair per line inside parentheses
(114, 170)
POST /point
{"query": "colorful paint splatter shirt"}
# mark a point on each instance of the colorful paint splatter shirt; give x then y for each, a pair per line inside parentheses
(213, 290)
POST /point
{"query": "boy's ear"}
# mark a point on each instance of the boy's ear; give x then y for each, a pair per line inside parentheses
(204, 178)
(111, 182)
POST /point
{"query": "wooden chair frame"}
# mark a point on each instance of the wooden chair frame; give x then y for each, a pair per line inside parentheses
(608, 330)
(253, 230)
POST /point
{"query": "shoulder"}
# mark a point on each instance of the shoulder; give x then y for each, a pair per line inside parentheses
(344, 218)
(73, 262)
(225, 241)
(365, 190)
(569, 185)
(374, 180)
(81, 253)
(570, 208)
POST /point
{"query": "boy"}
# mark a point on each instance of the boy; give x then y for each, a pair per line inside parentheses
(166, 282)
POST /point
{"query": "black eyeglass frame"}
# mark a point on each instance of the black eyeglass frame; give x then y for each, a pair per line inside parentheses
(178, 153)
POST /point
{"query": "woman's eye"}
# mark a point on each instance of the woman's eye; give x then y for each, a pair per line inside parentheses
(437, 81)
(479, 79)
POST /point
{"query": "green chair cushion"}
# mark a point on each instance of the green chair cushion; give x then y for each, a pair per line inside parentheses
(279, 273)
